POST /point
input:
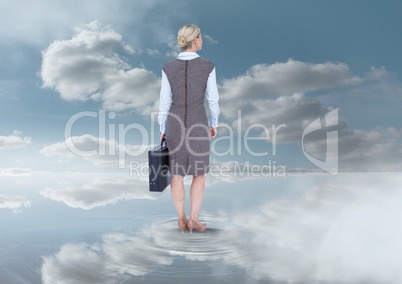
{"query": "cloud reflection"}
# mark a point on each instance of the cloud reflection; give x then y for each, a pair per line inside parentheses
(121, 256)
(341, 231)
(344, 230)
(100, 192)
(15, 203)
(103, 191)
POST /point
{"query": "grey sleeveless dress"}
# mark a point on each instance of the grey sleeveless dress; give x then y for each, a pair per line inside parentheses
(187, 131)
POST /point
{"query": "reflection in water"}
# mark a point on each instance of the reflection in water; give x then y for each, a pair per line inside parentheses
(345, 229)
(124, 255)
(18, 264)
(324, 236)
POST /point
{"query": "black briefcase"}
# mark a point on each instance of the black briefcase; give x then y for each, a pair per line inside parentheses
(158, 162)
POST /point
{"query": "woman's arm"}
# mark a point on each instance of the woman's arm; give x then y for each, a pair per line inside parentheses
(213, 98)
(164, 103)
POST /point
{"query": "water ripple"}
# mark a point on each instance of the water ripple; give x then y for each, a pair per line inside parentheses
(158, 249)
(164, 241)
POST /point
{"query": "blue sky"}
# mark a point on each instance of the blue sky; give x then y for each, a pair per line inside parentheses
(278, 63)
(291, 63)
(356, 46)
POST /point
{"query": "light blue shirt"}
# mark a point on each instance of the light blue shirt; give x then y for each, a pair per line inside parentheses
(212, 95)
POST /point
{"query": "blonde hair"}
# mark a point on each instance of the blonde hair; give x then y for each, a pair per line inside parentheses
(186, 34)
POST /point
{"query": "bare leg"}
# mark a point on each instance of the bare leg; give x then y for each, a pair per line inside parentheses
(178, 194)
(196, 196)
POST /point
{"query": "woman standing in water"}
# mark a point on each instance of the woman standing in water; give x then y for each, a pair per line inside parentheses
(186, 82)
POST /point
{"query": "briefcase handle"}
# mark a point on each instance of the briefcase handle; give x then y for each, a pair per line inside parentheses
(163, 140)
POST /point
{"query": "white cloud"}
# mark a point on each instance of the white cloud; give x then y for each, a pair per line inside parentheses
(15, 203)
(275, 94)
(283, 79)
(377, 73)
(87, 67)
(85, 145)
(278, 95)
(172, 47)
(100, 192)
(394, 132)
(15, 172)
(286, 116)
(115, 260)
(14, 141)
(373, 150)
(210, 39)
(98, 151)
(361, 150)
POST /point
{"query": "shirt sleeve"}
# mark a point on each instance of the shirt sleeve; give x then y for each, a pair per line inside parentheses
(164, 102)
(213, 98)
